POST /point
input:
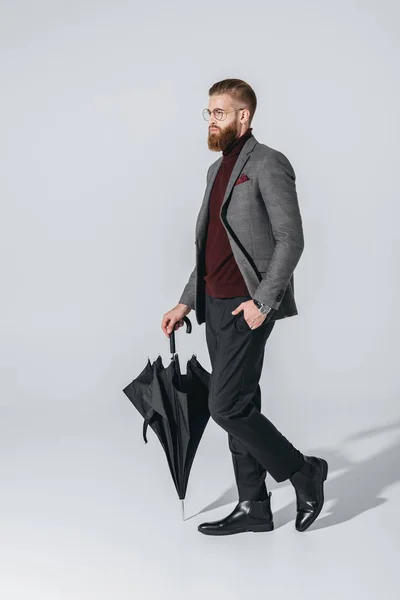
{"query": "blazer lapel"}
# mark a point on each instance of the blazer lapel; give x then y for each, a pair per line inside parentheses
(244, 155)
(242, 159)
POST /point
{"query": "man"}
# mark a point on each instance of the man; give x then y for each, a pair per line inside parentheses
(249, 239)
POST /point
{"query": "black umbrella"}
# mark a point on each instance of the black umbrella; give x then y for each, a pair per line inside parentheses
(175, 405)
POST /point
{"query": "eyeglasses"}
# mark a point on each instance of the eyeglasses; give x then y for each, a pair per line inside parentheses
(219, 114)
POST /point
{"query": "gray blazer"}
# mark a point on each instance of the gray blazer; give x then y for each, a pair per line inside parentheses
(262, 219)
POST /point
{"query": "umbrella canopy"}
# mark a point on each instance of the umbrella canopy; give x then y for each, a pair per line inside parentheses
(175, 405)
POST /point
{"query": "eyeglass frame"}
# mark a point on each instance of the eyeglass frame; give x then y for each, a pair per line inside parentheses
(226, 112)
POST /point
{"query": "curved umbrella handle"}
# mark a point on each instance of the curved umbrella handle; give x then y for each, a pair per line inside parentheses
(149, 415)
(172, 334)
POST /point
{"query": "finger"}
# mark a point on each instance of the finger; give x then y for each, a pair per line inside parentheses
(164, 324)
(171, 325)
(255, 322)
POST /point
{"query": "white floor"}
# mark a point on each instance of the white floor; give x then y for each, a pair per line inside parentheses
(89, 512)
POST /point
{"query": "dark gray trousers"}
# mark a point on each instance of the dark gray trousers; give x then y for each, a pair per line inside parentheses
(237, 355)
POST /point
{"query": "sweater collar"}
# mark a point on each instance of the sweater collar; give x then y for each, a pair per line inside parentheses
(237, 144)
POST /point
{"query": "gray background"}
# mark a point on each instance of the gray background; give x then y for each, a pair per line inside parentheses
(103, 157)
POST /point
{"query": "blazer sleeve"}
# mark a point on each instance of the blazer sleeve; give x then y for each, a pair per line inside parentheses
(189, 291)
(277, 183)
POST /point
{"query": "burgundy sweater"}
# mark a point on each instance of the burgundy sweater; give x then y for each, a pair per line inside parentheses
(223, 278)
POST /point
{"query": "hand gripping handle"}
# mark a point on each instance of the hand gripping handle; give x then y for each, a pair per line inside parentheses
(172, 334)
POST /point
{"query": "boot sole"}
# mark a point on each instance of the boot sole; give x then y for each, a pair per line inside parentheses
(324, 476)
(254, 528)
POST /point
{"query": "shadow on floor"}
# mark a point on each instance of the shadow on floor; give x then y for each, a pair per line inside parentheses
(354, 491)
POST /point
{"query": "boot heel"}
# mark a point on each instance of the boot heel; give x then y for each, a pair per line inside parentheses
(266, 527)
(324, 469)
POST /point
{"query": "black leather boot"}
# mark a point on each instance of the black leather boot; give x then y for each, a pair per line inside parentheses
(308, 483)
(248, 515)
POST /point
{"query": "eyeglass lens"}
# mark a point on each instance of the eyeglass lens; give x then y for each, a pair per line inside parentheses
(218, 112)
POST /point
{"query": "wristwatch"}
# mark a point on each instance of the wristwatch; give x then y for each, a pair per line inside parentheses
(263, 308)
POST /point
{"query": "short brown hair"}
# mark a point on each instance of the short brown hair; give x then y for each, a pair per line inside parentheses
(240, 91)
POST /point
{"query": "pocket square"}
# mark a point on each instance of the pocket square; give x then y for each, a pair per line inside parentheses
(242, 179)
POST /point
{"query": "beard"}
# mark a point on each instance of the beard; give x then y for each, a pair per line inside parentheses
(219, 140)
